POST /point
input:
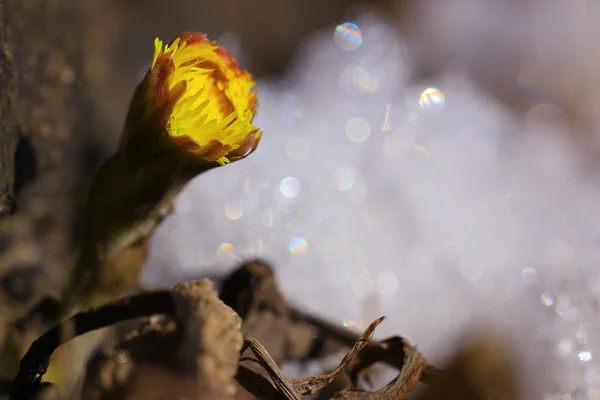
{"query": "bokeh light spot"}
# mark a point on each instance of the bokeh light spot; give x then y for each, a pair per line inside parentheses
(289, 187)
(234, 210)
(347, 36)
(344, 179)
(357, 129)
(432, 99)
(298, 246)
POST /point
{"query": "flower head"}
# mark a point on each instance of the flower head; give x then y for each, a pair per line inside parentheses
(203, 101)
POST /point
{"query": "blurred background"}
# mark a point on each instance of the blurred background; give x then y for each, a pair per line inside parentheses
(433, 161)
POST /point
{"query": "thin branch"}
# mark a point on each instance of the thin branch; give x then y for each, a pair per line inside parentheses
(349, 338)
(266, 361)
(313, 384)
(399, 388)
(35, 362)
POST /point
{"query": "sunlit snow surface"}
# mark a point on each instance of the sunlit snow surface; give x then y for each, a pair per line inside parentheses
(429, 203)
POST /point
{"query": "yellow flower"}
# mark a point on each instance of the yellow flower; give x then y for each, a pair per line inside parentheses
(203, 101)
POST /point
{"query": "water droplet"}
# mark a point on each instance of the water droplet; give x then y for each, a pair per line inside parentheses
(432, 99)
(234, 210)
(547, 299)
(357, 129)
(225, 250)
(290, 187)
(298, 246)
(343, 178)
(584, 356)
(347, 36)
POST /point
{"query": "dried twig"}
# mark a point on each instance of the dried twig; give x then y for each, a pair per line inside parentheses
(413, 365)
(348, 338)
(35, 362)
(266, 361)
(307, 386)
(311, 385)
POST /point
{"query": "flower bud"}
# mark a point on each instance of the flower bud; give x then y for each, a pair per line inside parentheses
(197, 98)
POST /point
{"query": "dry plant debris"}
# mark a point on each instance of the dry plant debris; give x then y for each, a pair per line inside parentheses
(191, 345)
